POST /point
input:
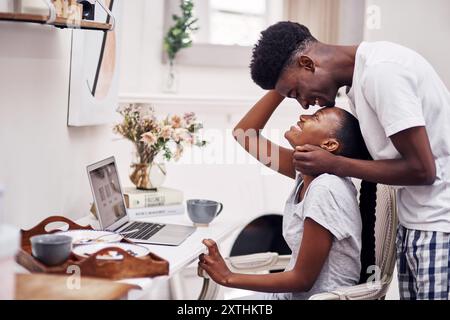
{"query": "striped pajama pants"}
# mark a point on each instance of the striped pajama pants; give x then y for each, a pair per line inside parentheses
(423, 264)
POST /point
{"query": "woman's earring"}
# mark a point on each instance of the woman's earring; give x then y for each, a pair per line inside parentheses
(317, 102)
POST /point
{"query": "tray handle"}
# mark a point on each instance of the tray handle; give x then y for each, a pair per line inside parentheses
(127, 267)
(40, 228)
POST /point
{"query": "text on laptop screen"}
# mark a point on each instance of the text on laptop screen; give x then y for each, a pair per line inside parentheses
(107, 192)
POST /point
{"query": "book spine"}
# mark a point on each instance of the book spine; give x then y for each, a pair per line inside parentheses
(152, 200)
(140, 213)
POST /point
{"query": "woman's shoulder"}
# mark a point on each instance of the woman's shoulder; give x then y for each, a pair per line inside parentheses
(341, 190)
(334, 184)
(331, 201)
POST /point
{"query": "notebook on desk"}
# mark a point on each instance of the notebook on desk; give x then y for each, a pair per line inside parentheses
(112, 212)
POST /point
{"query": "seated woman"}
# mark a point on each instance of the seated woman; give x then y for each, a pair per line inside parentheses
(322, 223)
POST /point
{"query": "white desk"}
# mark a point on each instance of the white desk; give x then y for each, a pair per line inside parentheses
(183, 255)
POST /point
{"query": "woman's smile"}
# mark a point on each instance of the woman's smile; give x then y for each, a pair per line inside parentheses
(297, 128)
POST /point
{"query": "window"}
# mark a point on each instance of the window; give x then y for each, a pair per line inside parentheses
(236, 22)
(228, 29)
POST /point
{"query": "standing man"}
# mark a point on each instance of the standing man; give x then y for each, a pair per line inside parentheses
(404, 112)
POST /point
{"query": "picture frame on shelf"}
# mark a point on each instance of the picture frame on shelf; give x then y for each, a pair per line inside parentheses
(94, 72)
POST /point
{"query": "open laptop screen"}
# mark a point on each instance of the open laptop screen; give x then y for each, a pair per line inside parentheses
(107, 193)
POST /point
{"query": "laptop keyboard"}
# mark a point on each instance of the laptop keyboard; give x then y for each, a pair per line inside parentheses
(145, 230)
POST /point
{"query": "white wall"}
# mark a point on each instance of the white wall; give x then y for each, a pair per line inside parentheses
(42, 160)
(423, 26)
(351, 22)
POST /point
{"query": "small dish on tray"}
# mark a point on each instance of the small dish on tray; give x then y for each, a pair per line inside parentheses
(134, 250)
(84, 237)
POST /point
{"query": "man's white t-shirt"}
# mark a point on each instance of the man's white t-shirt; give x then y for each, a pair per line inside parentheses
(394, 89)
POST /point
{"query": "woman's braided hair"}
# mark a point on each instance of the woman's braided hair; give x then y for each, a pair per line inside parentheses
(353, 146)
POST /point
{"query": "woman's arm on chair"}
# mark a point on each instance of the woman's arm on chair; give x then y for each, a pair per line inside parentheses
(248, 133)
(314, 250)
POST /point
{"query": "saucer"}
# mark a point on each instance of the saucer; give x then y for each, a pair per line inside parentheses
(201, 225)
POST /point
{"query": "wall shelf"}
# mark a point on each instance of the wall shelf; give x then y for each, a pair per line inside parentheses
(59, 22)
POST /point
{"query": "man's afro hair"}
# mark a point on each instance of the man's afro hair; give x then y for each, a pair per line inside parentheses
(274, 49)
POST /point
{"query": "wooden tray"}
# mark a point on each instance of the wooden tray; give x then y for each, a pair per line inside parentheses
(128, 267)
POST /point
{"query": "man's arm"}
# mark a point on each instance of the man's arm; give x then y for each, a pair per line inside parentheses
(415, 167)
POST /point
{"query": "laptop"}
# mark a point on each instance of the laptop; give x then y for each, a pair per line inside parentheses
(112, 213)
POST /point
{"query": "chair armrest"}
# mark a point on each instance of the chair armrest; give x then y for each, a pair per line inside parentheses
(365, 291)
(253, 263)
(272, 261)
(258, 262)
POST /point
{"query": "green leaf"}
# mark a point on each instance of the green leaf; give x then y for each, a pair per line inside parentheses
(179, 35)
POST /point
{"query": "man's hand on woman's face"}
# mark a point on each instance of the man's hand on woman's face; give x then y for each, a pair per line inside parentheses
(213, 263)
(313, 161)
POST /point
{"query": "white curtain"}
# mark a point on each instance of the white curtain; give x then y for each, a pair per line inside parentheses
(320, 16)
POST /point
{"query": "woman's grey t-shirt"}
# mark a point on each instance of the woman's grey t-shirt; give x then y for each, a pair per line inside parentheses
(331, 202)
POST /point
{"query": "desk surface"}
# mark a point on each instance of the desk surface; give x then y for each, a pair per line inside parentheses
(183, 255)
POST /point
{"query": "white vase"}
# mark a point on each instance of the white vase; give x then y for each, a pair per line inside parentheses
(170, 84)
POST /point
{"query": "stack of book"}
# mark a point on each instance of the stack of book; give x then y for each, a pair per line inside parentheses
(149, 203)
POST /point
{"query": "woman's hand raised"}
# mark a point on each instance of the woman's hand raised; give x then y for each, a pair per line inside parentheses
(214, 264)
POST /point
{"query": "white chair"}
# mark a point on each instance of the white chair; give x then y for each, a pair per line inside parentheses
(385, 235)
